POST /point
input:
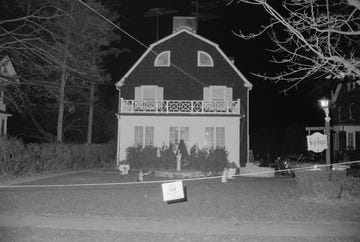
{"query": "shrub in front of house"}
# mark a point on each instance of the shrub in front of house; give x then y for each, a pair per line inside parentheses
(197, 158)
(217, 160)
(150, 157)
(16, 158)
(327, 184)
(166, 159)
(142, 157)
(207, 160)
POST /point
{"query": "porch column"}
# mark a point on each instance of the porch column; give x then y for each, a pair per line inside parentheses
(119, 126)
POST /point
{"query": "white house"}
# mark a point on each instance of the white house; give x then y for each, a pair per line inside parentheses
(184, 87)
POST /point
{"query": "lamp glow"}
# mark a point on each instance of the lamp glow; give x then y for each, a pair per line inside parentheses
(324, 103)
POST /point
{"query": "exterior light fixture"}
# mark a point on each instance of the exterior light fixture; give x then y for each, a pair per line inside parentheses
(325, 106)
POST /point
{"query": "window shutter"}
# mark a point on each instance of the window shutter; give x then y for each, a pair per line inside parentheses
(159, 93)
(206, 94)
(229, 94)
(138, 93)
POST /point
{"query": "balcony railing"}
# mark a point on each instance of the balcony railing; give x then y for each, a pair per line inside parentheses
(180, 106)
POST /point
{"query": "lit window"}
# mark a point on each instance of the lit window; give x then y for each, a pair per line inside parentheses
(204, 59)
(163, 59)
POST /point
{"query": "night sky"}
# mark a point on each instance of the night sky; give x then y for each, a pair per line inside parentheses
(268, 106)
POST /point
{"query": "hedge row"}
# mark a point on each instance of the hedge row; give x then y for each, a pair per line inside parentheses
(328, 184)
(150, 157)
(16, 158)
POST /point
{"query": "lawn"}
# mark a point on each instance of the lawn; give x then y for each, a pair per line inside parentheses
(244, 200)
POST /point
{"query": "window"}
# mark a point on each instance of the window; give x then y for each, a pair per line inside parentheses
(350, 143)
(216, 139)
(163, 59)
(351, 86)
(209, 137)
(149, 92)
(179, 133)
(336, 140)
(149, 136)
(142, 138)
(138, 135)
(217, 93)
(220, 137)
(351, 109)
(204, 59)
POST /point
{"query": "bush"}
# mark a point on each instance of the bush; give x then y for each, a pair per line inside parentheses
(217, 160)
(18, 159)
(167, 159)
(164, 158)
(350, 187)
(208, 160)
(11, 156)
(327, 184)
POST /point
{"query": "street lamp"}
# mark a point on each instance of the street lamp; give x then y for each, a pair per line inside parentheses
(325, 106)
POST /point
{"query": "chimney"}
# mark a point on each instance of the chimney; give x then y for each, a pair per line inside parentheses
(184, 22)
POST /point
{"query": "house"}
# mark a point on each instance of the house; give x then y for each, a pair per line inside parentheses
(184, 88)
(345, 117)
(7, 76)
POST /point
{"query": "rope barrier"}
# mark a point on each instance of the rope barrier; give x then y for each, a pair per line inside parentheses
(309, 168)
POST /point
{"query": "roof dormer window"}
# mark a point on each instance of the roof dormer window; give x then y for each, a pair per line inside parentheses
(163, 59)
(204, 59)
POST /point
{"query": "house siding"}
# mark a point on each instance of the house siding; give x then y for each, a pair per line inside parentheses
(197, 131)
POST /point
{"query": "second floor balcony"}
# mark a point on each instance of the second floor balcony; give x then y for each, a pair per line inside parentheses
(180, 106)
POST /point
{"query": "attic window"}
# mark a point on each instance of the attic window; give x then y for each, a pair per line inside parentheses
(204, 59)
(163, 59)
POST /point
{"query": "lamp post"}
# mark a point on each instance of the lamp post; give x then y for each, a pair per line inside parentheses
(325, 106)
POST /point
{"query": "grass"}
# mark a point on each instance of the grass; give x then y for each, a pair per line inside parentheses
(240, 201)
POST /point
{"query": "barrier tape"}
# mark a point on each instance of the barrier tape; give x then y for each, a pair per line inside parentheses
(309, 168)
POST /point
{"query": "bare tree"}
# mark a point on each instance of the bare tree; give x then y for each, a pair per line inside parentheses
(313, 39)
(58, 48)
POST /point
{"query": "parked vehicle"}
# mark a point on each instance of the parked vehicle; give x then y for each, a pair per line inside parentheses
(286, 163)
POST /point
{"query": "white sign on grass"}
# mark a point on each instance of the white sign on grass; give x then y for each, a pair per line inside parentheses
(317, 142)
(173, 191)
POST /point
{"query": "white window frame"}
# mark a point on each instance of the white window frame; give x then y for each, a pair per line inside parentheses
(180, 134)
(211, 137)
(146, 136)
(166, 53)
(199, 53)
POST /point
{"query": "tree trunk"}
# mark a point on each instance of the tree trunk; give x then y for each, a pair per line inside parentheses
(91, 113)
(63, 83)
